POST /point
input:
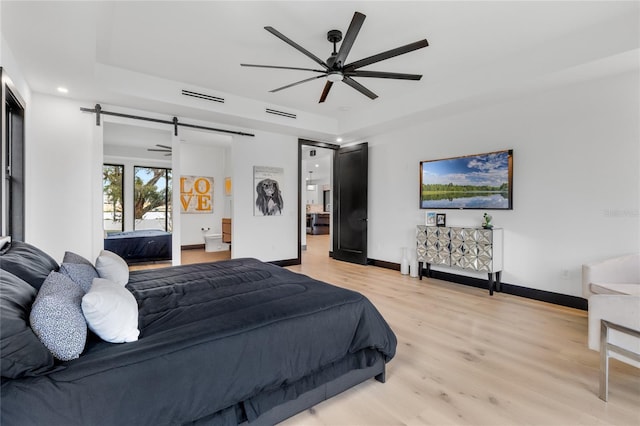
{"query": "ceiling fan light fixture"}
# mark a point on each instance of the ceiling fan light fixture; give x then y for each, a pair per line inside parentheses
(336, 67)
(335, 76)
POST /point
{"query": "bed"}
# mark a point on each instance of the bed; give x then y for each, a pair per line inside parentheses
(146, 245)
(232, 342)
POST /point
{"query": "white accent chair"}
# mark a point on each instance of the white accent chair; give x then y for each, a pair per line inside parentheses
(612, 287)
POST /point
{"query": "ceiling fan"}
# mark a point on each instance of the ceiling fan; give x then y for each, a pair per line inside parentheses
(161, 148)
(335, 67)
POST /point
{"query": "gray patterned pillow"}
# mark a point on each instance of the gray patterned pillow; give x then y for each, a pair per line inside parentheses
(80, 273)
(57, 319)
(71, 257)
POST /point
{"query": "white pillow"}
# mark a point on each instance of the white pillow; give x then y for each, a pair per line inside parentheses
(111, 311)
(112, 267)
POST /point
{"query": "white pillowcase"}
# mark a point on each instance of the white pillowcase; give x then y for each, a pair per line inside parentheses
(111, 311)
(112, 267)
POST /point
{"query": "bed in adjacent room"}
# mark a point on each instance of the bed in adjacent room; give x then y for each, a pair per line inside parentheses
(220, 343)
(145, 245)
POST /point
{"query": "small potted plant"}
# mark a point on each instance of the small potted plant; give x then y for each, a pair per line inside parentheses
(486, 221)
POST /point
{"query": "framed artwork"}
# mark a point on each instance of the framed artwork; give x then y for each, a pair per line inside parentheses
(268, 195)
(431, 219)
(196, 194)
(441, 219)
(227, 186)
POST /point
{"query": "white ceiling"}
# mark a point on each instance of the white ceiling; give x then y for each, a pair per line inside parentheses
(479, 51)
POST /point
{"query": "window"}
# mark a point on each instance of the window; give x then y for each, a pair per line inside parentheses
(152, 198)
(12, 215)
(112, 196)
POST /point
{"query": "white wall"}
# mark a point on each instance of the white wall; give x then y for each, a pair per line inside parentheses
(576, 183)
(11, 67)
(265, 237)
(64, 158)
(576, 179)
(201, 160)
(59, 183)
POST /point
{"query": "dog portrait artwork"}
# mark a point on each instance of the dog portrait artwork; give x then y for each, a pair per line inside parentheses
(269, 199)
(268, 184)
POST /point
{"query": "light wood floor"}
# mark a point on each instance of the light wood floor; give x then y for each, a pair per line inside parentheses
(187, 257)
(465, 358)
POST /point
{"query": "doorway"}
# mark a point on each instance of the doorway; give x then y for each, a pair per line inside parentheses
(148, 159)
(316, 192)
(347, 194)
(205, 227)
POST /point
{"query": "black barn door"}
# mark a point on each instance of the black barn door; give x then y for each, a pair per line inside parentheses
(350, 204)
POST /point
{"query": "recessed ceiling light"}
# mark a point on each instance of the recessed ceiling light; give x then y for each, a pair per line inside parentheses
(63, 89)
(338, 139)
(317, 165)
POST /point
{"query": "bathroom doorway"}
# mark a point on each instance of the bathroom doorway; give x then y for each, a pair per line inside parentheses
(206, 201)
(136, 213)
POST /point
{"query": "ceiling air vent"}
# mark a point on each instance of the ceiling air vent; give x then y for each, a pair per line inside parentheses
(281, 113)
(203, 96)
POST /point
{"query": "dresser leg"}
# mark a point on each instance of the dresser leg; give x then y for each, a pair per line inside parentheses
(498, 281)
(490, 284)
(420, 269)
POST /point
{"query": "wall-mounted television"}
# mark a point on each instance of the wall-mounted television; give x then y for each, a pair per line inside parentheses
(480, 181)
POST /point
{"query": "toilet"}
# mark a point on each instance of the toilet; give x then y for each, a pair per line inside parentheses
(213, 242)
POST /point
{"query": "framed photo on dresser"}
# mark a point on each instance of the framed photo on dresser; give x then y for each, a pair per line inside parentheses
(431, 219)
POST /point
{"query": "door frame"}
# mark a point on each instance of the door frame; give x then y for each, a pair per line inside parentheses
(301, 143)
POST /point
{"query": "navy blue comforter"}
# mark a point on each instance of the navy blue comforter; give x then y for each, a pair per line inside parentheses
(144, 245)
(216, 339)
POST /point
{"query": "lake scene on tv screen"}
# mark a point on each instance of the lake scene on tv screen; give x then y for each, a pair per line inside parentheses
(471, 182)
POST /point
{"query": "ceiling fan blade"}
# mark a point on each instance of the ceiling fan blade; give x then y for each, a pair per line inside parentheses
(296, 46)
(386, 55)
(280, 68)
(359, 87)
(349, 38)
(296, 83)
(158, 150)
(164, 146)
(382, 74)
(325, 91)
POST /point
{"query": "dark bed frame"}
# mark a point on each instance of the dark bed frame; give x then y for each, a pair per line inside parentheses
(319, 394)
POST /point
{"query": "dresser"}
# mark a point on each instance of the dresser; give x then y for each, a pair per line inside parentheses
(472, 249)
